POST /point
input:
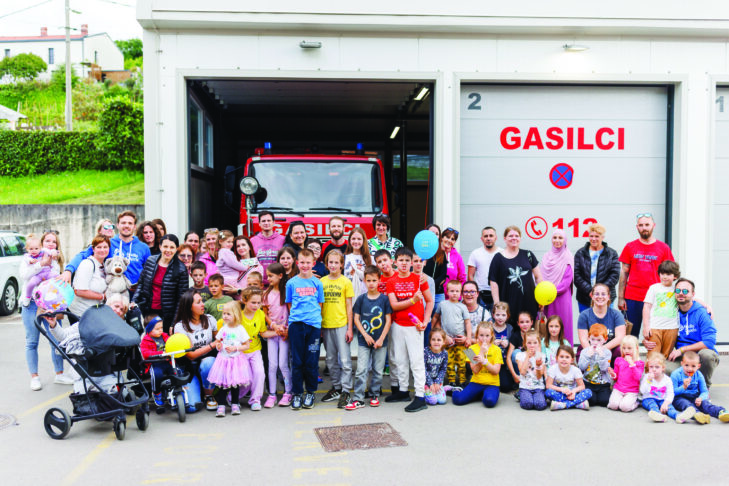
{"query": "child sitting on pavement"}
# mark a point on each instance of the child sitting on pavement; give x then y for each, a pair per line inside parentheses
(691, 393)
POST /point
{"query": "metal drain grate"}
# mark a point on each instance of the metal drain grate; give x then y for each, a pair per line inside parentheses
(362, 436)
(6, 421)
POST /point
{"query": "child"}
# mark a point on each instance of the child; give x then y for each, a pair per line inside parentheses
(486, 364)
(41, 258)
(594, 363)
(231, 369)
(516, 343)
(453, 317)
(320, 268)
(153, 343)
(406, 292)
(532, 370)
(356, 258)
(337, 328)
(198, 275)
(436, 366)
(372, 317)
(287, 258)
(383, 260)
(689, 388)
(553, 340)
(304, 296)
(277, 317)
(502, 338)
(254, 280)
(660, 311)
(564, 382)
(656, 391)
(214, 305)
(627, 374)
(418, 265)
(254, 322)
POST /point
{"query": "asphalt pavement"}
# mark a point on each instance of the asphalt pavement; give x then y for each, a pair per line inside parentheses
(445, 444)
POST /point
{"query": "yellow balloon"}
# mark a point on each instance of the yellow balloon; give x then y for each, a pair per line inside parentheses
(178, 342)
(545, 293)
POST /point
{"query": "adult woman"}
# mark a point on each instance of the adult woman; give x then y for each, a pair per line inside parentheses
(557, 267)
(236, 261)
(210, 253)
(28, 313)
(186, 255)
(148, 233)
(193, 239)
(381, 240)
(446, 261)
(296, 237)
(162, 282)
(602, 313)
(105, 227)
(513, 275)
(477, 312)
(89, 281)
(161, 226)
(201, 328)
(595, 263)
(434, 228)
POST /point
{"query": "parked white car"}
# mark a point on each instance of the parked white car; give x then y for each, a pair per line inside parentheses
(12, 247)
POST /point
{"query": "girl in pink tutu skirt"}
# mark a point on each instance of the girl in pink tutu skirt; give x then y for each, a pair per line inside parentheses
(230, 370)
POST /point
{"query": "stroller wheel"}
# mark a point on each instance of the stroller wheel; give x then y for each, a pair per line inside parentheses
(142, 420)
(180, 398)
(120, 428)
(57, 423)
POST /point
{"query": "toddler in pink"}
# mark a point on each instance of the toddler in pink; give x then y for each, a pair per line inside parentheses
(626, 374)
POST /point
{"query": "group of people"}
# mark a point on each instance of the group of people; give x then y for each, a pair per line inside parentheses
(467, 329)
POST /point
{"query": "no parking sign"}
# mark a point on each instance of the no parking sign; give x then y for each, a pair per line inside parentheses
(561, 176)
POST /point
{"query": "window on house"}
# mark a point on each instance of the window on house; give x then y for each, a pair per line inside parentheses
(208, 143)
(51, 56)
(194, 120)
(7, 52)
(96, 57)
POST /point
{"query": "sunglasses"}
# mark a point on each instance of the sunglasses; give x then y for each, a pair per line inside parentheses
(644, 215)
(452, 230)
(683, 291)
(211, 230)
(109, 227)
(55, 232)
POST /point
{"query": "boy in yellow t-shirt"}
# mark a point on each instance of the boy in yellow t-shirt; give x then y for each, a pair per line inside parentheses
(337, 328)
(486, 361)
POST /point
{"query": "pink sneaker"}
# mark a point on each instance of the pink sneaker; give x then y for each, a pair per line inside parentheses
(285, 400)
(270, 401)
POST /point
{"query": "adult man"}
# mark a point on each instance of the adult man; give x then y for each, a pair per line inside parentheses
(640, 259)
(267, 242)
(124, 244)
(696, 331)
(337, 240)
(479, 263)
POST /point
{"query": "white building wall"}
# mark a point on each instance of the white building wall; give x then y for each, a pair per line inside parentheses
(40, 49)
(482, 43)
(109, 57)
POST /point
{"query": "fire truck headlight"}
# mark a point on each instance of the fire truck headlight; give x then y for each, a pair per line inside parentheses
(249, 185)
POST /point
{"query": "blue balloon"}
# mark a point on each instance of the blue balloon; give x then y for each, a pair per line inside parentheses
(425, 244)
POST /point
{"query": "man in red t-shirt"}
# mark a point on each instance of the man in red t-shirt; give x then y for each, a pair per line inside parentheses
(640, 259)
(406, 292)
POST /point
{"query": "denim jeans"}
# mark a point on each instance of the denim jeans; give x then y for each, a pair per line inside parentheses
(580, 397)
(488, 394)
(634, 313)
(32, 335)
(651, 404)
(199, 369)
(683, 402)
(365, 355)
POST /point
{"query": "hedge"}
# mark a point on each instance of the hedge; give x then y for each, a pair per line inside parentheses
(119, 145)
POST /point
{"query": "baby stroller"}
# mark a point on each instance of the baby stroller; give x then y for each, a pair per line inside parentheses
(107, 344)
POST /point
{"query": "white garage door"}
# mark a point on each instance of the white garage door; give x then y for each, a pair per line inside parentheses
(542, 157)
(720, 268)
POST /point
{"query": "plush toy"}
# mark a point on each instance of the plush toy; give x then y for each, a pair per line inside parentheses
(116, 281)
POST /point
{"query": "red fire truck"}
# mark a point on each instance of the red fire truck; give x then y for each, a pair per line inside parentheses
(312, 188)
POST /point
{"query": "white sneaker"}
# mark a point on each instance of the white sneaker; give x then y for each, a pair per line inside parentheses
(24, 301)
(62, 379)
(35, 383)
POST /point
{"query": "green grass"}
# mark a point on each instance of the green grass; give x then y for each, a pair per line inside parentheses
(82, 187)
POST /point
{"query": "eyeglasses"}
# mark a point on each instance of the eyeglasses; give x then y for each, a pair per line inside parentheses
(683, 291)
(109, 227)
(470, 292)
(185, 256)
(210, 230)
(643, 215)
(55, 232)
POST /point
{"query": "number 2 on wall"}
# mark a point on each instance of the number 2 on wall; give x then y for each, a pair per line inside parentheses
(575, 225)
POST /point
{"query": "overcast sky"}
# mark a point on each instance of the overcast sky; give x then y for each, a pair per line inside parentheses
(115, 17)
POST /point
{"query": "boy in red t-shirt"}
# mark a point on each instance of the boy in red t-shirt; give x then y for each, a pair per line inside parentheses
(406, 292)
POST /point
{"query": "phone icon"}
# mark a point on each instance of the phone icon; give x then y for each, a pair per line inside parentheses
(536, 231)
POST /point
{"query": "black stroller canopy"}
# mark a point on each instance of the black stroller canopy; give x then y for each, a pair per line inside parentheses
(101, 329)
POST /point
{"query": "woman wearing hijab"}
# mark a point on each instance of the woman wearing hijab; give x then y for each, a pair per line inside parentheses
(557, 267)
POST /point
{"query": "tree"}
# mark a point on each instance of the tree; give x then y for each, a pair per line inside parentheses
(22, 66)
(121, 128)
(131, 48)
(58, 78)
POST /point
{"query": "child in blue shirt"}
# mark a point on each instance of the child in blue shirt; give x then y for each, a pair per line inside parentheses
(691, 392)
(304, 297)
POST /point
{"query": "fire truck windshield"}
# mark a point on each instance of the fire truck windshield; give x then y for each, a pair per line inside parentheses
(303, 185)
